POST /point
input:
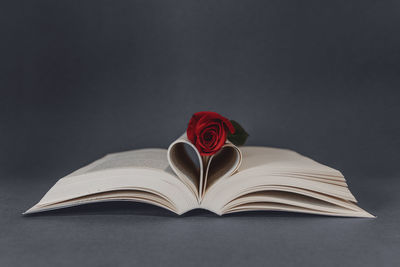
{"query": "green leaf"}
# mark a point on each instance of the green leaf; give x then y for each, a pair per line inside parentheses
(240, 135)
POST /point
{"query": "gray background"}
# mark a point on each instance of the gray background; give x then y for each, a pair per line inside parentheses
(80, 79)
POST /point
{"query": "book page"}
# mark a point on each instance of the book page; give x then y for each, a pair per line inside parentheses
(144, 170)
(265, 169)
(222, 164)
(187, 167)
(152, 158)
(312, 201)
(197, 171)
(283, 160)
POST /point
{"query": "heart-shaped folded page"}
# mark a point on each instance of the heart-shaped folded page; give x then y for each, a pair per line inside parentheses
(200, 172)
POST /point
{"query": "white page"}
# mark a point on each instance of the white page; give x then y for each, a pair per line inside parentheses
(146, 170)
(208, 169)
(264, 168)
(152, 158)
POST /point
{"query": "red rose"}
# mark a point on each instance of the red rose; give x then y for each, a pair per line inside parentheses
(208, 131)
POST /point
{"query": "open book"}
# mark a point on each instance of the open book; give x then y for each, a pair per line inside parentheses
(232, 180)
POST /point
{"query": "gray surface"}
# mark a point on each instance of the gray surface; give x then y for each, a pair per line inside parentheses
(80, 79)
(126, 234)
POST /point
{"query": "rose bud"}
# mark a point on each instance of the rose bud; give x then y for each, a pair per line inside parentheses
(208, 131)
